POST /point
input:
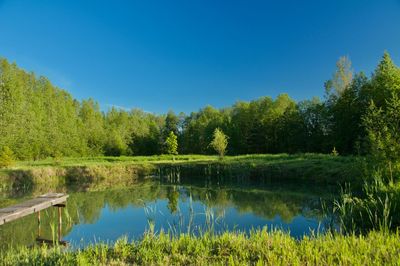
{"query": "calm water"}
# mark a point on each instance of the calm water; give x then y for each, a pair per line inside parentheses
(105, 216)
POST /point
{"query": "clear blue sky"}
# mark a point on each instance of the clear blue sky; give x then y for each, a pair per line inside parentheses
(183, 55)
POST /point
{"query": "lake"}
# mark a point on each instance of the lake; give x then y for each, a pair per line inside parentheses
(181, 206)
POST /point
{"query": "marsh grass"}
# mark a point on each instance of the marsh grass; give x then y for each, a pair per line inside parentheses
(185, 223)
(373, 208)
(260, 247)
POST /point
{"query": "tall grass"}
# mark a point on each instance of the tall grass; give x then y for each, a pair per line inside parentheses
(260, 247)
(373, 208)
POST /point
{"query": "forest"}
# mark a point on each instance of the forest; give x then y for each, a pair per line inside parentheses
(39, 120)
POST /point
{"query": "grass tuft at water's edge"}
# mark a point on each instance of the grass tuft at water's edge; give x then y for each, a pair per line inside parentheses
(260, 247)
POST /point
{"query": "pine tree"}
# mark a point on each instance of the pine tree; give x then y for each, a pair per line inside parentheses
(383, 131)
(385, 81)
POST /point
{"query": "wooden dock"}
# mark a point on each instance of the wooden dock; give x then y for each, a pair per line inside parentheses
(33, 206)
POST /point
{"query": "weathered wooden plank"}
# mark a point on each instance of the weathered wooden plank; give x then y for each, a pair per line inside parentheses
(31, 203)
(31, 206)
(10, 209)
(52, 195)
(15, 215)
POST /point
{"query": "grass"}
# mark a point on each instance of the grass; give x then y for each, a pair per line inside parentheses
(376, 207)
(107, 160)
(159, 159)
(260, 247)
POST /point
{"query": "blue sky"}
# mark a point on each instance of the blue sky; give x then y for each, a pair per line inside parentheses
(183, 55)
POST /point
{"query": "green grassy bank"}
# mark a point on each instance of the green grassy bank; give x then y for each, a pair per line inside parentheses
(102, 172)
(258, 248)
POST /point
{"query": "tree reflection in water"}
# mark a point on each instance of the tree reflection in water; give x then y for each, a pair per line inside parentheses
(267, 201)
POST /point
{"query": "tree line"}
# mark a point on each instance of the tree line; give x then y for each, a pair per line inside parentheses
(39, 120)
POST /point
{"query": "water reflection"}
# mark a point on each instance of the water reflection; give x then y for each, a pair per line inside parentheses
(178, 207)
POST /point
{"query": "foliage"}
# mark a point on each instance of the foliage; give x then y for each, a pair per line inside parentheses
(335, 152)
(376, 207)
(6, 157)
(219, 142)
(341, 80)
(171, 144)
(260, 247)
(39, 120)
(383, 129)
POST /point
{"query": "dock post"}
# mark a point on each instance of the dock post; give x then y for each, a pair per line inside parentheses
(59, 223)
(39, 224)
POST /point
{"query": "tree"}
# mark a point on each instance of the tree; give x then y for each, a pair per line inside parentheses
(385, 81)
(171, 123)
(6, 157)
(171, 144)
(220, 142)
(38, 120)
(199, 128)
(146, 133)
(313, 115)
(383, 129)
(119, 132)
(93, 127)
(341, 79)
(347, 112)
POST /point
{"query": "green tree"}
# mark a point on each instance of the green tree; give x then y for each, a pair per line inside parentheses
(92, 129)
(336, 89)
(119, 131)
(115, 145)
(313, 115)
(385, 81)
(219, 142)
(199, 128)
(347, 112)
(383, 129)
(6, 157)
(171, 144)
(171, 123)
(379, 103)
(146, 137)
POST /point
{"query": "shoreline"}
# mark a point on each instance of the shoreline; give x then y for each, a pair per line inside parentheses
(98, 173)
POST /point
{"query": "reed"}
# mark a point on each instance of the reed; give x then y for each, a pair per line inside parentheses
(260, 247)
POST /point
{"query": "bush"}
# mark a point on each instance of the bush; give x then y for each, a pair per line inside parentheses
(6, 157)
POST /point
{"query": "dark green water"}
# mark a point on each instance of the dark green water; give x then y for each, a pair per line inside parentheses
(179, 206)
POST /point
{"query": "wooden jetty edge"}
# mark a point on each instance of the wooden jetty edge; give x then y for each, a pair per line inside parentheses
(32, 206)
